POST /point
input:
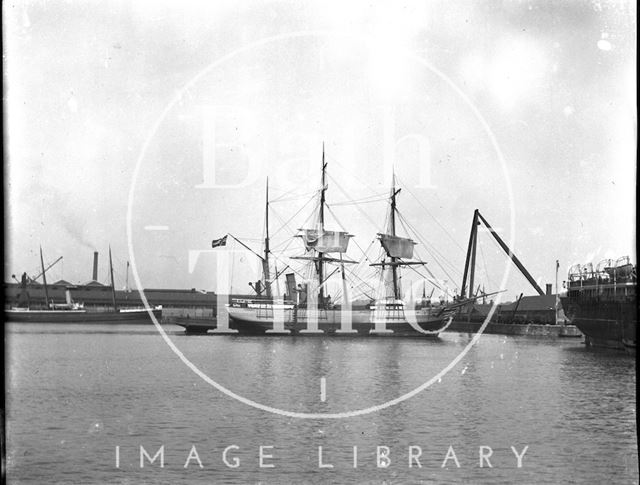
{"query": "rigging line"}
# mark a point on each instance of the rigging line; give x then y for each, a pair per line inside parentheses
(363, 282)
(252, 239)
(484, 263)
(359, 208)
(290, 267)
(289, 192)
(404, 224)
(337, 220)
(440, 259)
(278, 247)
(373, 197)
(288, 199)
(292, 192)
(286, 223)
(443, 270)
(433, 280)
(231, 278)
(431, 215)
(366, 258)
(356, 202)
(290, 219)
(438, 262)
(343, 228)
(357, 177)
(365, 253)
(288, 242)
(283, 223)
(431, 249)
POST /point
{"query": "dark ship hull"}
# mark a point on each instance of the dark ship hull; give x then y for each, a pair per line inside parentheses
(603, 305)
(605, 324)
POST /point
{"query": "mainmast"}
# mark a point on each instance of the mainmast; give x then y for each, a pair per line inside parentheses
(113, 286)
(320, 262)
(318, 241)
(392, 232)
(265, 261)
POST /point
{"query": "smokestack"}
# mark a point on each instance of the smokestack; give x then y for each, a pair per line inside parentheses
(95, 266)
(549, 290)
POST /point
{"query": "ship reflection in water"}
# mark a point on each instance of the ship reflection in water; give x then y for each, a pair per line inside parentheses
(72, 397)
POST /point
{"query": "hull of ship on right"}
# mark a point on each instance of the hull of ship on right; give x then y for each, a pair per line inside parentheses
(602, 304)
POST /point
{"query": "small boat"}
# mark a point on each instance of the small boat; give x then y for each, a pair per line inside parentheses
(602, 303)
(307, 309)
(73, 312)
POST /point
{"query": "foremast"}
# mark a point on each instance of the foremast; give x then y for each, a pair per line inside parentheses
(264, 258)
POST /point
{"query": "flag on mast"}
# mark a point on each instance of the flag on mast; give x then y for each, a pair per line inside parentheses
(219, 242)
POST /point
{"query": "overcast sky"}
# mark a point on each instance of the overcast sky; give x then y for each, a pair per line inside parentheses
(208, 98)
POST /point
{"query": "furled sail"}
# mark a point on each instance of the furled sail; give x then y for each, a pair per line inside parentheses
(325, 241)
(397, 247)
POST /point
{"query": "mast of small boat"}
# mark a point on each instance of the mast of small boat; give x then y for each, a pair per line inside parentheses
(44, 279)
(113, 287)
(126, 284)
(265, 260)
(320, 262)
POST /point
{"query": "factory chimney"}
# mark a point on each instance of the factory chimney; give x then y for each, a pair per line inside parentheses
(549, 290)
(95, 266)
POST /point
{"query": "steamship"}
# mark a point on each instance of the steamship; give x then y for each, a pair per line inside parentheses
(602, 303)
(48, 311)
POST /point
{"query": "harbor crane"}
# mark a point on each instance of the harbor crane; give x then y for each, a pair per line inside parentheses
(33, 279)
(470, 263)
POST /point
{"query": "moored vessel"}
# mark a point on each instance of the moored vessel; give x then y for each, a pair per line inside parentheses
(602, 303)
(307, 309)
(74, 312)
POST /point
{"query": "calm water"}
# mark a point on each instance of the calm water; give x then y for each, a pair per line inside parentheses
(75, 394)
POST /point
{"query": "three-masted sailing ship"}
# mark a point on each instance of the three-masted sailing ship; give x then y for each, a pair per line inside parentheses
(307, 309)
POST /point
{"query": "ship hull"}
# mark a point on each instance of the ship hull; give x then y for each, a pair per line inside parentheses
(80, 316)
(365, 322)
(611, 325)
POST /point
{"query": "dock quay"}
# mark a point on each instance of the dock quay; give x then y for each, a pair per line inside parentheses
(196, 310)
(516, 328)
(200, 325)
